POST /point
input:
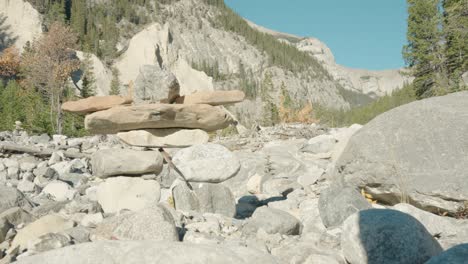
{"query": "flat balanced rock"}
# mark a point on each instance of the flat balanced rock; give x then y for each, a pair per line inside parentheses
(94, 104)
(213, 97)
(125, 118)
(170, 137)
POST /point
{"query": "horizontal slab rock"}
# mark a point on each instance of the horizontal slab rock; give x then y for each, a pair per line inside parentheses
(126, 118)
(121, 162)
(386, 236)
(128, 193)
(212, 97)
(42, 226)
(150, 252)
(94, 104)
(153, 223)
(170, 137)
(207, 163)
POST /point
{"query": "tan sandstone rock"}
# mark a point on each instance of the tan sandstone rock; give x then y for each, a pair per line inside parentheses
(126, 118)
(171, 137)
(94, 104)
(212, 97)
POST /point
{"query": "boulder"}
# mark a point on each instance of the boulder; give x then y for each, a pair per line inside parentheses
(449, 231)
(120, 162)
(147, 116)
(152, 223)
(48, 242)
(455, 255)
(217, 199)
(212, 97)
(386, 236)
(59, 191)
(319, 144)
(94, 104)
(184, 198)
(337, 203)
(42, 226)
(149, 252)
(416, 152)
(16, 216)
(11, 197)
(209, 163)
(272, 221)
(164, 137)
(4, 228)
(155, 84)
(129, 193)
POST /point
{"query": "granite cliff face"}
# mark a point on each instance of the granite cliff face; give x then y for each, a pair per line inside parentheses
(188, 36)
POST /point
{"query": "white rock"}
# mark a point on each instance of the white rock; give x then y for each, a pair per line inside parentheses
(164, 137)
(42, 226)
(59, 191)
(92, 220)
(26, 186)
(207, 163)
(129, 193)
(254, 184)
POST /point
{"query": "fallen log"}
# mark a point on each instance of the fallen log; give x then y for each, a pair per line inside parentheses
(15, 148)
(126, 118)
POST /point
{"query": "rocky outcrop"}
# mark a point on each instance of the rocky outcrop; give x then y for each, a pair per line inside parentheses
(102, 74)
(22, 22)
(94, 104)
(414, 153)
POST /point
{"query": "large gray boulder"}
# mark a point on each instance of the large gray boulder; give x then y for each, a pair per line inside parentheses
(154, 84)
(207, 163)
(272, 221)
(152, 223)
(416, 152)
(386, 236)
(150, 252)
(455, 255)
(121, 162)
(337, 203)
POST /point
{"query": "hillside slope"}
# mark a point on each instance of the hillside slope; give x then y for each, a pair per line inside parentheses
(207, 46)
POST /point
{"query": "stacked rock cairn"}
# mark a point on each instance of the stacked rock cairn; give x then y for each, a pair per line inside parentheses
(175, 122)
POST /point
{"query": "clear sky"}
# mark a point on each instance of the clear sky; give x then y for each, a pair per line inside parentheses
(366, 34)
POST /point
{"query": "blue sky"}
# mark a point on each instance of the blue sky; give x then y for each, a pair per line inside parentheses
(366, 34)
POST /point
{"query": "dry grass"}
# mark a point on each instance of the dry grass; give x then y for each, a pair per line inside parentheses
(303, 115)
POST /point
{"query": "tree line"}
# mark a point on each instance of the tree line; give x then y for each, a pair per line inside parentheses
(437, 45)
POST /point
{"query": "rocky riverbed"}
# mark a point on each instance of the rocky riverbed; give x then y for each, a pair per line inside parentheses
(293, 193)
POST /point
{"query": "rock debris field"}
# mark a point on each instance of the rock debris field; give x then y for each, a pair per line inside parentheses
(154, 186)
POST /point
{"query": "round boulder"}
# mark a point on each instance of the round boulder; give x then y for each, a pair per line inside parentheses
(210, 163)
(386, 236)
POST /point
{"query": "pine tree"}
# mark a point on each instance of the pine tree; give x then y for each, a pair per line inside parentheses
(88, 86)
(423, 53)
(115, 83)
(78, 17)
(456, 39)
